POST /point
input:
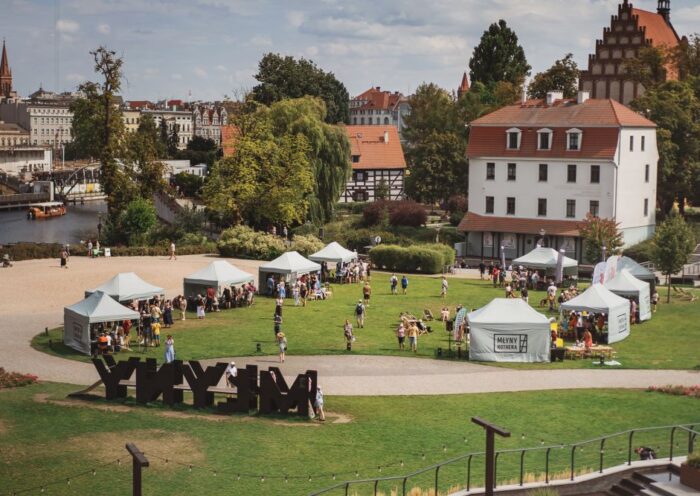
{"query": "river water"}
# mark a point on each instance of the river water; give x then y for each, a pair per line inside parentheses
(79, 223)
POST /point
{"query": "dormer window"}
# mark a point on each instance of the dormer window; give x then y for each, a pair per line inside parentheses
(513, 139)
(544, 139)
(573, 140)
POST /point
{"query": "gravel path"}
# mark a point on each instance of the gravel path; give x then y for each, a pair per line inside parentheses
(33, 294)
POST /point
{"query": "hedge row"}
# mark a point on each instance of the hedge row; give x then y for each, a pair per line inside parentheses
(31, 251)
(427, 258)
(244, 242)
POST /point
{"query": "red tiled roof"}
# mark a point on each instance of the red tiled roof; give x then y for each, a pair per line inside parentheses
(377, 99)
(368, 143)
(486, 223)
(136, 104)
(657, 29)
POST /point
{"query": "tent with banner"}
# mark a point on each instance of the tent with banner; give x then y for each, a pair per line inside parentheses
(289, 265)
(127, 286)
(546, 259)
(215, 275)
(508, 330)
(95, 309)
(626, 285)
(333, 253)
(598, 299)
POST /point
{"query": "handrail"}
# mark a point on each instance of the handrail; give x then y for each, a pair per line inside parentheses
(689, 428)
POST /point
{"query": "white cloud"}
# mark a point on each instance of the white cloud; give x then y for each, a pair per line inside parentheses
(75, 78)
(67, 26)
(261, 41)
(104, 28)
(295, 18)
(176, 77)
(200, 73)
(221, 68)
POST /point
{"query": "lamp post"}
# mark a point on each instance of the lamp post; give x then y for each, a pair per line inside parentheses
(604, 253)
(99, 226)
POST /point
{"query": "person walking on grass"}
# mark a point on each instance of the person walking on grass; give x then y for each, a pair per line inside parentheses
(413, 337)
(404, 284)
(366, 293)
(183, 307)
(394, 283)
(169, 349)
(444, 286)
(349, 337)
(282, 343)
(360, 314)
(401, 335)
(319, 405)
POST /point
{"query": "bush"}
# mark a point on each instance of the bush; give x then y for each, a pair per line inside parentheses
(456, 217)
(426, 258)
(457, 203)
(192, 239)
(244, 242)
(306, 245)
(693, 459)
(691, 391)
(15, 379)
(407, 213)
(357, 239)
(641, 252)
(353, 208)
(305, 229)
(375, 214)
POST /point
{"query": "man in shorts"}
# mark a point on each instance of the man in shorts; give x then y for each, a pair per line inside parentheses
(366, 292)
(360, 314)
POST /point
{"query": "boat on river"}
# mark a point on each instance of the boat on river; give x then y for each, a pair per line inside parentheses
(45, 210)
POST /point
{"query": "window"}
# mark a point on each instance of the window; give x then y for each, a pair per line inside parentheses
(510, 205)
(594, 208)
(490, 171)
(646, 173)
(642, 144)
(542, 207)
(595, 174)
(571, 208)
(544, 139)
(631, 143)
(355, 159)
(513, 139)
(360, 196)
(511, 172)
(543, 173)
(646, 207)
(573, 141)
(489, 204)
(571, 173)
(359, 176)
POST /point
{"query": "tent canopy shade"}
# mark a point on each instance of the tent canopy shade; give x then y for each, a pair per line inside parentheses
(598, 299)
(219, 273)
(636, 269)
(333, 252)
(544, 258)
(507, 311)
(625, 284)
(290, 262)
(127, 286)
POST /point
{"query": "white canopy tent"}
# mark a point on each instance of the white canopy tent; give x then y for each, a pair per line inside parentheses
(545, 259)
(598, 299)
(509, 330)
(637, 270)
(216, 274)
(96, 308)
(127, 286)
(290, 264)
(625, 284)
(333, 252)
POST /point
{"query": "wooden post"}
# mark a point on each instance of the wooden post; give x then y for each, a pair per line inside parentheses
(140, 461)
(491, 429)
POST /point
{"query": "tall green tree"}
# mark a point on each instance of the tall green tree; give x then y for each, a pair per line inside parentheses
(285, 77)
(136, 220)
(563, 76)
(174, 140)
(598, 233)
(499, 57)
(649, 66)
(673, 243)
(143, 154)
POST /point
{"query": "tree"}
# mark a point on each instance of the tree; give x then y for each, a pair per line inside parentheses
(164, 137)
(598, 233)
(381, 190)
(673, 243)
(173, 140)
(137, 219)
(563, 76)
(687, 57)
(675, 107)
(648, 67)
(142, 157)
(499, 57)
(285, 77)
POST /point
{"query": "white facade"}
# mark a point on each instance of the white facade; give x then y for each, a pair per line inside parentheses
(25, 159)
(180, 118)
(48, 124)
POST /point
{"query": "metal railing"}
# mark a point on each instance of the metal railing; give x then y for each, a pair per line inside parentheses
(543, 465)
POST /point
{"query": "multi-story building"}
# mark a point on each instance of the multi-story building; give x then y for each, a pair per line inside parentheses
(630, 30)
(180, 118)
(48, 120)
(13, 135)
(208, 121)
(25, 158)
(375, 107)
(537, 168)
(377, 161)
(132, 119)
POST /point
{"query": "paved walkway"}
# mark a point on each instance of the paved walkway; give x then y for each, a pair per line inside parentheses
(33, 294)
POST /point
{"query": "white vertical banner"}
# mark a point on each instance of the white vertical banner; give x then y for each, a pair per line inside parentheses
(560, 266)
(611, 268)
(503, 257)
(599, 273)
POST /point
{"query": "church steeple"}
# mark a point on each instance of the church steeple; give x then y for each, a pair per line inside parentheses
(5, 73)
(464, 86)
(664, 8)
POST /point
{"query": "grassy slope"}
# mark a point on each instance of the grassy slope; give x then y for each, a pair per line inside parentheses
(44, 441)
(667, 341)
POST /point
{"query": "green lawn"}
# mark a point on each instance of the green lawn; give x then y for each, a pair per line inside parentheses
(42, 441)
(669, 340)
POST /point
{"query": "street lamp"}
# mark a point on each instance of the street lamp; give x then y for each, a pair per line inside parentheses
(99, 226)
(542, 233)
(604, 253)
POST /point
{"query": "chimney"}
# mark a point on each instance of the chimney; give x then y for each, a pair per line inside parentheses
(664, 9)
(553, 96)
(386, 137)
(582, 97)
(523, 96)
(378, 88)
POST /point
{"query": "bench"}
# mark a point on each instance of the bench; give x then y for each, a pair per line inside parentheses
(182, 387)
(127, 383)
(222, 390)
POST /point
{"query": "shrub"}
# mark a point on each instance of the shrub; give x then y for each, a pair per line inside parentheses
(375, 213)
(306, 245)
(244, 242)
(457, 203)
(357, 239)
(641, 252)
(692, 391)
(353, 208)
(15, 379)
(305, 229)
(426, 258)
(407, 213)
(456, 217)
(193, 239)
(693, 459)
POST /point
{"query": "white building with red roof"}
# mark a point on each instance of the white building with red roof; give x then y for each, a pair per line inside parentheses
(537, 168)
(375, 107)
(377, 158)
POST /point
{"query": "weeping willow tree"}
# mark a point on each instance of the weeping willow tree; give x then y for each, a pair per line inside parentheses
(329, 150)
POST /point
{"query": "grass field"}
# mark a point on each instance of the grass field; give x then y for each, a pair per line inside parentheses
(669, 340)
(43, 440)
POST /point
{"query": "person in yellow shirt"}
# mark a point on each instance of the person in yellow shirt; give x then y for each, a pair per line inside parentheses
(155, 327)
(413, 336)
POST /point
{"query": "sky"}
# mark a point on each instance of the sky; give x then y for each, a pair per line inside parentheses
(206, 49)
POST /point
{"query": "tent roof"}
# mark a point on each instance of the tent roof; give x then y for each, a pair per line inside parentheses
(217, 273)
(507, 311)
(596, 298)
(128, 286)
(624, 281)
(290, 262)
(333, 252)
(637, 270)
(100, 307)
(543, 258)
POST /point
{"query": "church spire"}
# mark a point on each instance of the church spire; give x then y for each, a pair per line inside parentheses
(5, 74)
(464, 86)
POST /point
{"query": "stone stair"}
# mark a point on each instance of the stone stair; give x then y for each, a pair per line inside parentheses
(664, 483)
